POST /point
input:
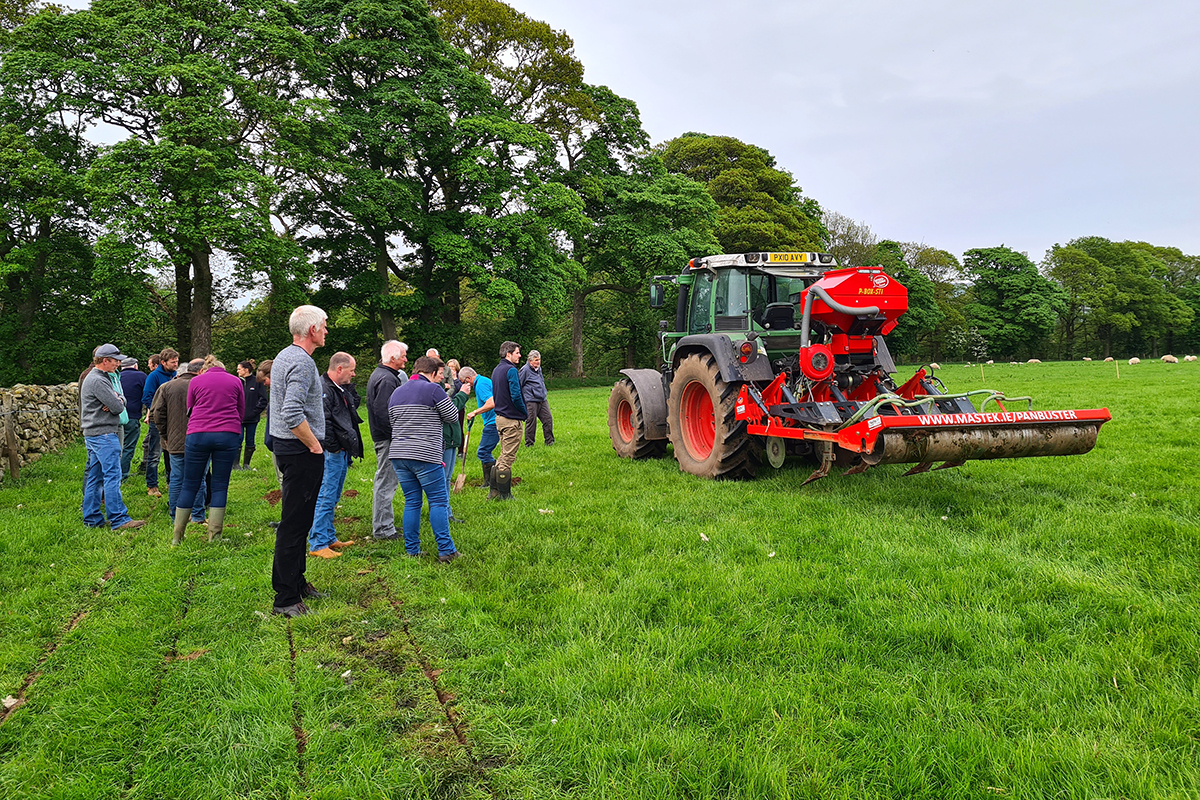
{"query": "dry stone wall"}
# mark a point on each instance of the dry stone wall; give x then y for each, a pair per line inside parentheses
(44, 419)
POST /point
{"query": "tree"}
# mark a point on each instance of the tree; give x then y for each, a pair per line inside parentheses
(418, 180)
(195, 86)
(759, 205)
(1015, 308)
(851, 242)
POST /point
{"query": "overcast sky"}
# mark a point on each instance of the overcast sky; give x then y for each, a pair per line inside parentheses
(957, 123)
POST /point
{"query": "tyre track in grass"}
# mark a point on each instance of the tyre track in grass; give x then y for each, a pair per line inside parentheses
(297, 718)
(79, 616)
(445, 699)
(172, 655)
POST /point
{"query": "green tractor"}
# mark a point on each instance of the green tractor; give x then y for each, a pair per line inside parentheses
(783, 354)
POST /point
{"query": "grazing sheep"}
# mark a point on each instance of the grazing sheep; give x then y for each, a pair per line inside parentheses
(990, 363)
(1189, 358)
(1033, 361)
(1170, 359)
(1087, 359)
(1135, 360)
(934, 365)
(1015, 363)
(1107, 360)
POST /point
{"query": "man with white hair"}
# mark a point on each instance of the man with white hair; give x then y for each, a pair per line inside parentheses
(432, 353)
(533, 392)
(297, 428)
(385, 379)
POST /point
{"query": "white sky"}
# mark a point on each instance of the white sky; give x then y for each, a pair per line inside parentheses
(956, 123)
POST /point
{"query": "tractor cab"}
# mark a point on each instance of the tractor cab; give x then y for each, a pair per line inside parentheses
(741, 294)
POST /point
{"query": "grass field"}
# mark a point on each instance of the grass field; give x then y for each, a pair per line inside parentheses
(1018, 629)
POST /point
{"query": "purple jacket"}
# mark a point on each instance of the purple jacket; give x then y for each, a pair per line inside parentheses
(216, 402)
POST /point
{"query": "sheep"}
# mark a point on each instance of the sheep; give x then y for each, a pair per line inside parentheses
(1170, 359)
(1087, 359)
(1033, 361)
(1189, 358)
(1135, 360)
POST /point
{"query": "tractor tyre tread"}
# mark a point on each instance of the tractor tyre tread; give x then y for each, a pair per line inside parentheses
(736, 454)
(639, 447)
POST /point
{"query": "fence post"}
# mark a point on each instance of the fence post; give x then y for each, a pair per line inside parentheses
(10, 439)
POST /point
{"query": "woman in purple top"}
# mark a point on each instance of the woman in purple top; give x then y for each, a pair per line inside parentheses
(216, 402)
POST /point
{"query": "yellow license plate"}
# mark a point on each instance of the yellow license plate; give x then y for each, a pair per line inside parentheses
(787, 258)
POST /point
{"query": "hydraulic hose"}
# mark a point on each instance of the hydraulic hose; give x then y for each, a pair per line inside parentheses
(820, 292)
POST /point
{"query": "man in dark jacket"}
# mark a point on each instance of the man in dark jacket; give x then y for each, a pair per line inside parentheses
(256, 404)
(152, 448)
(386, 378)
(510, 414)
(133, 382)
(342, 443)
(169, 413)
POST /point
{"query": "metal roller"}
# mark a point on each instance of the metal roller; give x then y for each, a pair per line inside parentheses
(923, 446)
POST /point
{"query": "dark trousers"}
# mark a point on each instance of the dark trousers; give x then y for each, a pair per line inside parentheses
(301, 485)
(538, 410)
(221, 449)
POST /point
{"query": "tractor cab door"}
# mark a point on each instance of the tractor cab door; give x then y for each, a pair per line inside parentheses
(700, 315)
(731, 302)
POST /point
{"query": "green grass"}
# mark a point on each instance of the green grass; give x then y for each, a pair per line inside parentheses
(1007, 629)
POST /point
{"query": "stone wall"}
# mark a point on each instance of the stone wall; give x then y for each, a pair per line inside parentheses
(44, 419)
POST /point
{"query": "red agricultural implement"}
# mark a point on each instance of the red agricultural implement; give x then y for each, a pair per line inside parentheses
(783, 354)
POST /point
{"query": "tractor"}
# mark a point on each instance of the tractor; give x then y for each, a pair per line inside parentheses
(778, 355)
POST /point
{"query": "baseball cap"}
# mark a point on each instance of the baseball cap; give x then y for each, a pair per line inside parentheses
(109, 351)
(129, 362)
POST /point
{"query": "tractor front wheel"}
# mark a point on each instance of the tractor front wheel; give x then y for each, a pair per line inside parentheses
(627, 426)
(709, 441)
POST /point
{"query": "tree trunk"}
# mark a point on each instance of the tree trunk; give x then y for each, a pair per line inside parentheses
(578, 312)
(183, 305)
(387, 321)
(202, 305)
(31, 298)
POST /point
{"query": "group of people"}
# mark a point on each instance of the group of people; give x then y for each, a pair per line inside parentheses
(197, 414)
(202, 417)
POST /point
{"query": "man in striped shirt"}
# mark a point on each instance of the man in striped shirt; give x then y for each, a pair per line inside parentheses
(417, 410)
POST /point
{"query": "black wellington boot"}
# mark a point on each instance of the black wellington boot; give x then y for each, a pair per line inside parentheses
(247, 456)
(487, 475)
(502, 483)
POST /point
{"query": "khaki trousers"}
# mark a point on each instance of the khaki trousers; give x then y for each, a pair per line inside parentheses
(510, 440)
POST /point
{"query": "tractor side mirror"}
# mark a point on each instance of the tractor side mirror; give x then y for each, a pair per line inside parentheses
(656, 295)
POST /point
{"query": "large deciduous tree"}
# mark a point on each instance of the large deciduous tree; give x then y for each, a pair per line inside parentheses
(759, 205)
(195, 86)
(416, 176)
(1015, 308)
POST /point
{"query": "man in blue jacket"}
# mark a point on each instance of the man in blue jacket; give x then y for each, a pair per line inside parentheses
(510, 416)
(152, 449)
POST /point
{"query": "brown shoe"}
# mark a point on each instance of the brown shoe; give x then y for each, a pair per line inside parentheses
(324, 552)
(128, 526)
(154, 492)
(338, 545)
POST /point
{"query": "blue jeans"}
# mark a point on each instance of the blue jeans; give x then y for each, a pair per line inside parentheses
(102, 482)
(198, 448)
(176, 484)
(487, 443)
(416, 477)
(322, 534)
(133, 429)
(448, 458)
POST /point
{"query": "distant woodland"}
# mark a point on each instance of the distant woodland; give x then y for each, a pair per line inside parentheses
(184, 174)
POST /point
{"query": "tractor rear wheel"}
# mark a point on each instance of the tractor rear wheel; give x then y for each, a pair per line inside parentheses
(709, 441)
(627, 426)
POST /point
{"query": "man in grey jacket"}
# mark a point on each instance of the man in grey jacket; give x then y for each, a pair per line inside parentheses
(101, 415)
(297, 428)
(533, 392)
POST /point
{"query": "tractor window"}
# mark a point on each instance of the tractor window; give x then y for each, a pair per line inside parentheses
(732, 300)
(760, 295)
(699, 321)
